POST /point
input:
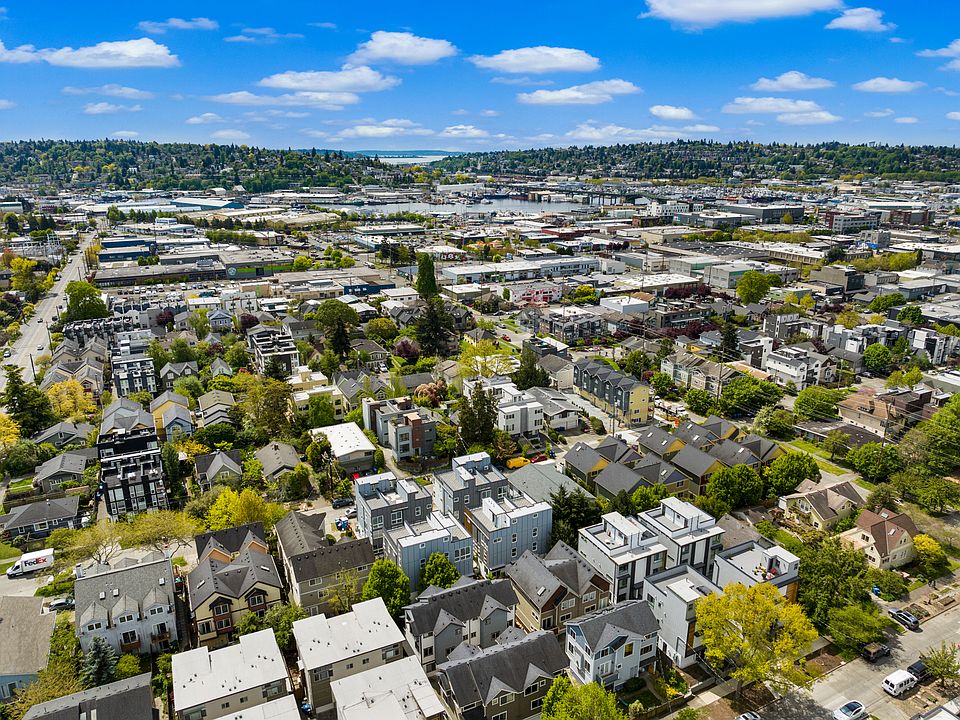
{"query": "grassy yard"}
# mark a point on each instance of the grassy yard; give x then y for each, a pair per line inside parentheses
(5, 565)
(821, 457)
(21, 484)
(8, 551)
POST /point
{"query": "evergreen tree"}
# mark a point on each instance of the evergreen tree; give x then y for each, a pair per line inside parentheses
(99, 665)
(729, 343)
(530, 374)
(25, 402)
(426, 282)
(275, 369)
(434, 327)
(340, 340)
(478, 418)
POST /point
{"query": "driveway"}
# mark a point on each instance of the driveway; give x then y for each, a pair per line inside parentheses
(859, 680)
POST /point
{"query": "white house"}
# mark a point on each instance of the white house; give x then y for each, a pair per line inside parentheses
(612, 645)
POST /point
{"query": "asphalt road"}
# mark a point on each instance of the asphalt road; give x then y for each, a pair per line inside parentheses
(33, 334)
(859, 680)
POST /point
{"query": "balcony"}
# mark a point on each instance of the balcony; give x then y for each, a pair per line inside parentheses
(158, 637)
(130, 647)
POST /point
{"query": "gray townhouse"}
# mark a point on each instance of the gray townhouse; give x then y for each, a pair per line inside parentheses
(408, 430)
(385, 503)
(470, 480)
(412, 544)
(503, 530)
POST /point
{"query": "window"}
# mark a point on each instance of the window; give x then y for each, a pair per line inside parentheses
(159, 610)
(567, 604)
(513, 538)
(220, 609)
(506, 698)
(224, 705)
(513, 552)
(564, 617)
(125, 618)
(536, 703)
(396, 518)
(499, 716)
(128, 637)
(390, 653)
(534, 547)
(365, 661)
(534, 533)
(205, 628)
(223, 624)
(499, 539)
(349, 666)
(428, 651)
(587, 597)
(94, 626)
(377, 523)
(628, 649)
(419, 511)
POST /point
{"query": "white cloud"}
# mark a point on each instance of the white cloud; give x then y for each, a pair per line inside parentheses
(125, 134)
(140, 53)
(888, 85)
(460, 111)
(950, 51)
(262, 35)
(392, 127)
(7, 104)
(592, 132)
(953, 116)
(790, 81)
(945, 91)
(907, 120)
(265, 115)
(708, 13)
(403, 48)
(861, 19)
(159, 27)
(320, 100)
(886, 112)
(206, 118)
(105, 108)
(700, 128)
(230, 135)
(750, 105)
(594, 93)
(672, 112)
(816, 117)
(463, 131)
(538, 60)
(110, 90)
(349, 78)
(521, 81)
(323, 25)
(489, 113)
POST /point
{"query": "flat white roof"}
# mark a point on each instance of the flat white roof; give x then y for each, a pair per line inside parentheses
(201, 676)
(346, 438)
(323, 641)
(396, 691)
(284, 708)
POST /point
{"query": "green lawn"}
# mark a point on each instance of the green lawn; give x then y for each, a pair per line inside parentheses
(5, 565)
(21, 484)
(819, 455)
(8, 551)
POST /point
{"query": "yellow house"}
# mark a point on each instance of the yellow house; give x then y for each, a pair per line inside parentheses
(236, 575)
(163, 402)
(623, 397)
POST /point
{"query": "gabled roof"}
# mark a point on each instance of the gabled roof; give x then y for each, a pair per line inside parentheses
(603, 627)
(466, 600)
(213, 463)
(582, 457)
(231, 580)
(149, 581)
(231, 540)
(277, 457)
(657, 471)
(731, 453)
(656, 440)
(540, 578)
(616, 450)
(79, 431)
(508, 667)
(43, 511)
(827, 500)
(331, 559)
(616, 477)
(72, 463)
(168, 396)
(130, 699)
(886, 528)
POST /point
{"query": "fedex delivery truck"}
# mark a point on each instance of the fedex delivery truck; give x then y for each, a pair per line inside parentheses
(31, 562)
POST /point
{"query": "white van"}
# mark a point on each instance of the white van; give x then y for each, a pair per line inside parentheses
(898, 682)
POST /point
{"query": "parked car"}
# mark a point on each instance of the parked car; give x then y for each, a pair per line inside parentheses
(749, 716)
(6, 353)
(919, 670)
(342, 502)
(874, 651)
(64, 603)
(904, 618)
(352, 513)
(853, 710)
(898, 682)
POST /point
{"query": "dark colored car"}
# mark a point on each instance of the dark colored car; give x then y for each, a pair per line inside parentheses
(874, 651)
(64, 603)
(342, 502)
(919, 671)
(904, 618)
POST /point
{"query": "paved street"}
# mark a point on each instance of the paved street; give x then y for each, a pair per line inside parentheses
(859, 680)
(33, 334)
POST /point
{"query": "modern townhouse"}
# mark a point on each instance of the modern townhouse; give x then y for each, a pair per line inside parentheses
(385, 503)
(613, 645)
(506, 681)
(690, 535)
(692, 371)
(518, 412)
(502, 530)
(37, 520)
(758, 561)
(25, 634)
(624, 552)
(799, 367)
(412, 544)
(475, 612)
(398, 691)
(130, 467)
(268, 344)
(131, 605)
(400, 425)
(173, 371)
(312, 566)
(235, 575)
(335, 648)
(552, 589)
(464, 487)
(583, 462)
(623, 397)
(132, 373)
(558, 412)
(211, 684)
(673, 596)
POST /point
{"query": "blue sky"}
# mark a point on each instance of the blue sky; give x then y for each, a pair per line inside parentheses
(469, 76)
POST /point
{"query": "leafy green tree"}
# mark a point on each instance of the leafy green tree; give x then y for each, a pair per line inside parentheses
(753, 286)
(280, 618)
(128, 666)
(787, 471)
(383, 329)
(566, 701)
(930, 556)
(426, 282)
(530, 374)
(837, 443)
(745, 395)
(883, 497)
(26, 404)
(877, 358)
(882, 303)
(237, 356)
(344, 592)
(817, 403)
(662, 384)
(911, 315)
(329, 363)
(928, 490)
(301, 263)
(99, 663)
(478, 418)
(736, 487)
(892, 584)
(636, 363)
(855, 625)
(774, 421)
(942, 663)
(332, 312)
(571, 511)
(646, 498)
(757, 631)
(387, 581)
(875, 462)
(832, 575)
(439, 572)
(699, 401)
(84, 302)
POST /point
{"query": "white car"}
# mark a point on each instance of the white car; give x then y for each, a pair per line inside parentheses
(853, 710)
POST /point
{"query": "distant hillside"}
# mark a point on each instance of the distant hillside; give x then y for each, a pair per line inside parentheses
(124, 164)
(695, 159)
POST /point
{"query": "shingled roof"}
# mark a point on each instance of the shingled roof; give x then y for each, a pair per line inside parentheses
(602, 627)
(467, 599)
(234, 579)
(540, 578)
